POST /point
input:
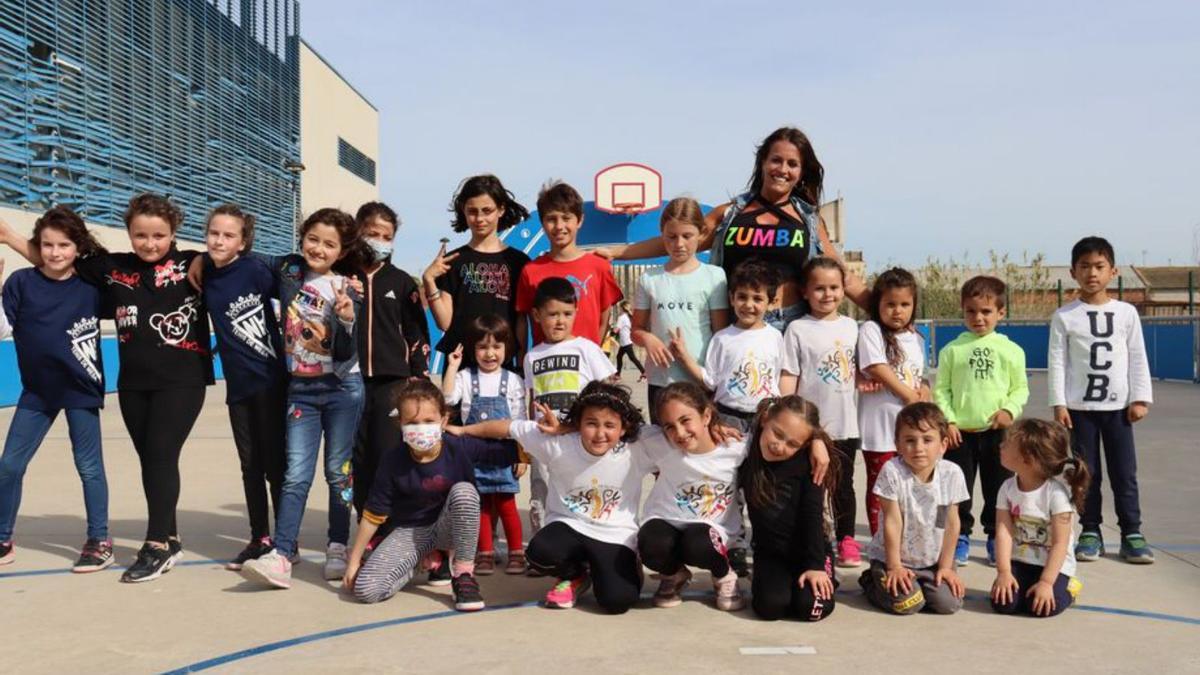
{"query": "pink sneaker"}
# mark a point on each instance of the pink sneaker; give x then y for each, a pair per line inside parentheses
(567, 591)
(271, 568)
(670, 588)
(849, 554)
(729, 596)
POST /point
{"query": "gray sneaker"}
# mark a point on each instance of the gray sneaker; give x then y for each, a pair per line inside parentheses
(271, 569)
(335, 561)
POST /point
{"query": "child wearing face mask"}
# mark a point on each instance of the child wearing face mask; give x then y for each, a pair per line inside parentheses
(426, 489)
(393, 344)
(487, 391)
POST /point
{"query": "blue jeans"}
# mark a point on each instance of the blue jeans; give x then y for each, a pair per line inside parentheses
(319, 405)
(25, 435)
(781, 317)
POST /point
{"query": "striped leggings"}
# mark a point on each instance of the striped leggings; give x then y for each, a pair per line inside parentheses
(396, 558)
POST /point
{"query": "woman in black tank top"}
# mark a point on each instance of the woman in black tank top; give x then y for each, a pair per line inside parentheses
(776, 220)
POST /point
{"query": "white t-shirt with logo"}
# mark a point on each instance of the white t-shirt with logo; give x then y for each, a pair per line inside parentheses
(821, 353)
(489, 385)
(597, 497)
(309, 326)
(877, 410)
(1032, 513)
(742, 366)
(923, 510)
(556, 373)
(693, 488)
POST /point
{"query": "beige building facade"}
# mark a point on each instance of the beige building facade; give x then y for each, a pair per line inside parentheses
(339, 139)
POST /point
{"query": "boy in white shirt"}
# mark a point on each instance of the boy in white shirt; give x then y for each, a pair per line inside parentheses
(1099, 387)
(557, 369)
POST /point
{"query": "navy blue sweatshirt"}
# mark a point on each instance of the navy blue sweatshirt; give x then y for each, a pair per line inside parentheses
(411, 494)
(238, 297)
(56, 330)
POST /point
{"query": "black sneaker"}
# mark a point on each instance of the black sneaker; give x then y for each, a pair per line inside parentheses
(466, 593)
(7, 554)
(151, 564)
(440, 575)
(737, 560)
(95, 556)
(175, 546)
(254, 549)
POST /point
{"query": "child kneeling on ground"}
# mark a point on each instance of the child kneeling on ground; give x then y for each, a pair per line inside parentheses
(427, 490)
(912, 552)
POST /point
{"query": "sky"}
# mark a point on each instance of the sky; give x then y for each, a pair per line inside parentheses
(949, 130)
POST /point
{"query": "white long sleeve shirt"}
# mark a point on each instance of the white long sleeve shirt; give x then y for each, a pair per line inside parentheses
(1097, 357)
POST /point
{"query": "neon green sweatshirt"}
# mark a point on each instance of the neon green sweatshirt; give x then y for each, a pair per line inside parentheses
(977, 376)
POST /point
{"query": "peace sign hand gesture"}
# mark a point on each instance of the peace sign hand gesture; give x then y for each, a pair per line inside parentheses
(440, 264)
(343, 306)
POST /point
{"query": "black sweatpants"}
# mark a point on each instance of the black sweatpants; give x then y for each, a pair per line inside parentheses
(377, 432)
(1116, 431)
(776, 591)
(980, 453)
(845, 506)
(260, 434)
(666, 548)
(627, 350)
(159, 422)
(1027, 575)
(558, 550)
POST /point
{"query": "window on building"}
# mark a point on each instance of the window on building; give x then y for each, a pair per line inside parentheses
(356, 162)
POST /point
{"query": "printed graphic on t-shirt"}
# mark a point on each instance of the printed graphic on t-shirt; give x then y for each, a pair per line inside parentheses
(581, 285)
(763, 236)
(169, 273)
(908, 375)
(596, 502)
(308, 337)
(707, 499)
(119, 278)
(1099, 361)
(85, 345)
(173, 328)
(836, 366)
(557, 380)
(982, 363)
(127, 320)
(1031, 535)
(753, 378)
(490, 279)
(247, 315)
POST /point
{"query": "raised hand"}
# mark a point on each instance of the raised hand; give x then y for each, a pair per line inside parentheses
(455, 357)
(343, 306)
(440, 265)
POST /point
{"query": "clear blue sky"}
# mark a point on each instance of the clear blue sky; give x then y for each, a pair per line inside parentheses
(1017, 126)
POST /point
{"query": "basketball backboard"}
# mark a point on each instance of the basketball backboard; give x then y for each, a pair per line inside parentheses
(628, 188)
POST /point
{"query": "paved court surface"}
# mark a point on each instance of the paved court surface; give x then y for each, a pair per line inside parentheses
(1130, 619)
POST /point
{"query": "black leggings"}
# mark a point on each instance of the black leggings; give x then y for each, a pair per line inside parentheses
(377, 432)
(980, 452)
(777, 593)
(259, 432)
(558, 550)
(627, 350)
(1027, 575)
(845, 506)
(666, 548)
(158, 422)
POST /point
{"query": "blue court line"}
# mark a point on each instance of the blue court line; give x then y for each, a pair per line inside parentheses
(421, 618)
(337, 632)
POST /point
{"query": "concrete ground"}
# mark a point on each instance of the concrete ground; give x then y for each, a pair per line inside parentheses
(1129, 619)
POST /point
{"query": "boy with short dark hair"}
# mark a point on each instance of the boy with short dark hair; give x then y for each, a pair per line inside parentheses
(912, 552)
(557, 368)
(1099, 387)
(560, 209)
(981, 388)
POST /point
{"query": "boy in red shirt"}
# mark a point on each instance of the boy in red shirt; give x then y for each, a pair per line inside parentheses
(560, 209)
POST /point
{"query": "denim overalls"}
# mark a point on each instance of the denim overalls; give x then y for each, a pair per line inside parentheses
(491, 479)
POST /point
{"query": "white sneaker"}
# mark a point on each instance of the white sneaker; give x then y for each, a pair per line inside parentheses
(729, 597)
(271, 568)
(335, 561)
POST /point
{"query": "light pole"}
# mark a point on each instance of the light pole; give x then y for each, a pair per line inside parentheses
(294, 167)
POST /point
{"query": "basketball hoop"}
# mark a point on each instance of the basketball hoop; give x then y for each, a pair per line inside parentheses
(628, 188)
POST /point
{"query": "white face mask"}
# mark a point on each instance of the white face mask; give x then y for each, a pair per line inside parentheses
(422, 437)
(381, 249)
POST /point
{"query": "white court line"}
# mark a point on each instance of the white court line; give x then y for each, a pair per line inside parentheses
(776, 651)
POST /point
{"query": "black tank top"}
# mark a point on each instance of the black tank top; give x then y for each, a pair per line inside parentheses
(785, 245)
